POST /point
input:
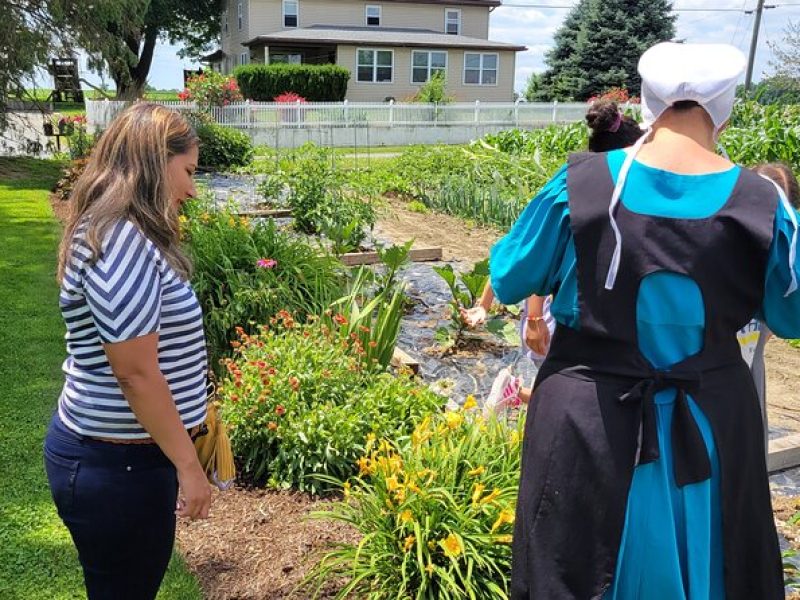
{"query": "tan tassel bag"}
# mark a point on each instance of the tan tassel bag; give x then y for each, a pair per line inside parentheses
(214, 449)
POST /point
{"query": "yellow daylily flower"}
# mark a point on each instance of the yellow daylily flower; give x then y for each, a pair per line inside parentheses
(506, 516)
(453, 420)
(504, 539)
(408, 543)
(430, 568)
(391, 483)
(452, 545)
(406, 517)
(470, 403)
(477, 471)
(370, 441)
(477, 492)
(491, 497)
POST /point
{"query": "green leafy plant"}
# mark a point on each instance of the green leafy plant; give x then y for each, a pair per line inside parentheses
(465, 288)
(299, 400)
(223, 148)
(417, 207)
(434, 91)
(244, 272)
(435, 511)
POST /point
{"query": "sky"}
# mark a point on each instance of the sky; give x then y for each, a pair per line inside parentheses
(534, 28)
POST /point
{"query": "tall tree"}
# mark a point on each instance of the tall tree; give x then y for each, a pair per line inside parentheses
(786, 53)
(558, 81)
(599, 45)
(126, 47)
(34, 31)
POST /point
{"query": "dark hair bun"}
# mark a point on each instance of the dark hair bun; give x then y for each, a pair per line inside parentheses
(602, 115)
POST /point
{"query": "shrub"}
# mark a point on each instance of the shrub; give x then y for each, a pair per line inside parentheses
(315, 83)
(434, 90)
(320, 202)
(244, 272)
(222, 148)
(211, 89)
(436, 512)
(299, 402)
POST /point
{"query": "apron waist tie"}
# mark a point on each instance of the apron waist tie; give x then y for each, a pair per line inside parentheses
(691, 463)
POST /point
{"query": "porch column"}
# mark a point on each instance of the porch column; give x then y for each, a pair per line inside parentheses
(266, 55)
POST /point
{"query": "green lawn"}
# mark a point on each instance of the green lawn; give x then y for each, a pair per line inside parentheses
(37, 559)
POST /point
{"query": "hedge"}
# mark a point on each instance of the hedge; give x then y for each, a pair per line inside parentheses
(315, 83)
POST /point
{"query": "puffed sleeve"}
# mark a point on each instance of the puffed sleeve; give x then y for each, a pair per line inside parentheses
(529, 258)
(123, 287)
(781, 312)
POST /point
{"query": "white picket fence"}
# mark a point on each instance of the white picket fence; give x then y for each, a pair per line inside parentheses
(270, 115)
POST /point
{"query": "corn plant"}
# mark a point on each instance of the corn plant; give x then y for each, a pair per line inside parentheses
(435, 511)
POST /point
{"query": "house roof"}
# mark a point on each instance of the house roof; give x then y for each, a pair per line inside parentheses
(378, 36)
(215, 56)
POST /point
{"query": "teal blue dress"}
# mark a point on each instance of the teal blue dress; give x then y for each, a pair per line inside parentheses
(671, 547)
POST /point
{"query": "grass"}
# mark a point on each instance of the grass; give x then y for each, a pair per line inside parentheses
(37, 558)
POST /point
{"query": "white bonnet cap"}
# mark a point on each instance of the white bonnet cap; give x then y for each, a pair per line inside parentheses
(705, 73)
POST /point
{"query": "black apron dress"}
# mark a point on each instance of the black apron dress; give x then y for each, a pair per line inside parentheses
(592, 416)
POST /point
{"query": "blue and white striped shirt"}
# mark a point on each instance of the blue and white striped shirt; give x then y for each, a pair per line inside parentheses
(129, 292)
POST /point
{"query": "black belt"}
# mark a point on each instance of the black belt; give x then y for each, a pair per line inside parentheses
(691, 463)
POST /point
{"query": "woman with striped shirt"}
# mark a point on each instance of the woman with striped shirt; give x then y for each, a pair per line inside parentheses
(120, 444)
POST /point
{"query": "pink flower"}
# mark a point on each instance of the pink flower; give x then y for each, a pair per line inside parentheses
(184, 95)
(266, 263)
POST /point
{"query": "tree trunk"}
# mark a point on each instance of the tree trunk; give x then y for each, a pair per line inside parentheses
(131, 84)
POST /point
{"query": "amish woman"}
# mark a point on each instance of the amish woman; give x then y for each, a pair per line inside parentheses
(643, 472)
(135, 391)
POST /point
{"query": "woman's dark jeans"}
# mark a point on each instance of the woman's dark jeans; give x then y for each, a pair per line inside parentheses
(118, 502)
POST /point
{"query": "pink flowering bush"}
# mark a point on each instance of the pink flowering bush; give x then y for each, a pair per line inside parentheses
(211, 89)
(290, 98)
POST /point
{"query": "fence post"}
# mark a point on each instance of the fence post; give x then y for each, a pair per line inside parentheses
(477, 110)
(516, 112)
(346, 112)
(391, 112)
(555, 110)
(297, 113)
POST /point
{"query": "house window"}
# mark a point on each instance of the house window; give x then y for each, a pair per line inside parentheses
(375, 66)
(240, 15)
(426, 64)
(292, 59)
(290, 12)
(244, 58)
(480, 69)
(373, 15)
(452, 21)
(225, 23)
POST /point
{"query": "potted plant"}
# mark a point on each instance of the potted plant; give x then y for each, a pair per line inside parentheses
(66, 126)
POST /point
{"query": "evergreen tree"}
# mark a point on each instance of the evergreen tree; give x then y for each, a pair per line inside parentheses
(556, 83)
(603, 51)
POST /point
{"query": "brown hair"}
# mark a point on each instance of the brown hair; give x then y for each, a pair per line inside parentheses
(125, 178)
(611, 129)
(782, 174)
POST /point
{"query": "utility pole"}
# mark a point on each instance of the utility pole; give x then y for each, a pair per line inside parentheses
(748, 79)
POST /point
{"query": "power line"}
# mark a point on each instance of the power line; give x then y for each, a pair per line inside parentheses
(713, 10)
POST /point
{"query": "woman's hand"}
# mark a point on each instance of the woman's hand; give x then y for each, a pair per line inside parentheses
(473, 317)
(194, 495)
(537, 336)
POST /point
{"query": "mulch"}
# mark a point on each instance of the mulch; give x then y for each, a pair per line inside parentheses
(259, 544)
